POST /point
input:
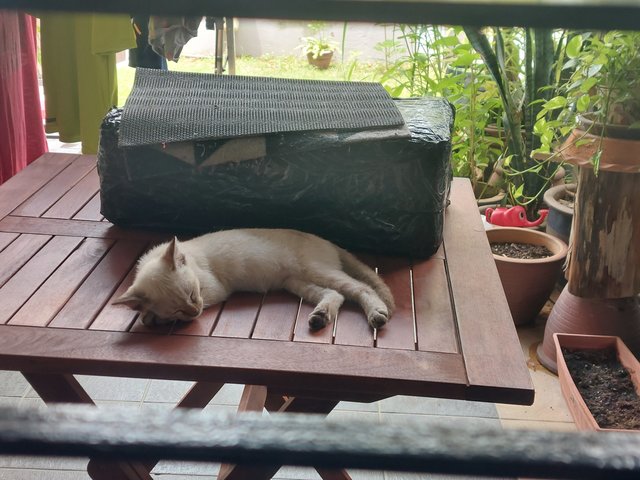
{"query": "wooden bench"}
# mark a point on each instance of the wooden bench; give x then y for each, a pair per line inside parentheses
(61, 265)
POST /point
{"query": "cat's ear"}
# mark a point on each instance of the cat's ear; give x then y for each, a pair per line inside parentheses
(131, 299)
(173, 256)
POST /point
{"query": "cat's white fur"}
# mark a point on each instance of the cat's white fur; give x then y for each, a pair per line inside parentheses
(177, 280)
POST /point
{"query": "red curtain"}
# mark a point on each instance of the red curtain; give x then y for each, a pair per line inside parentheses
(22, 138)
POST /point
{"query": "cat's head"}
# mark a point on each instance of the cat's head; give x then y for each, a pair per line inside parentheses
(166, 286)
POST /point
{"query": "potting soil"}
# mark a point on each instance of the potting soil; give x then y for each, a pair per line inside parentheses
(522, 251)
(606, 387)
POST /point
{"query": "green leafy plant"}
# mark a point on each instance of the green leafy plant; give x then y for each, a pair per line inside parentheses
(601, 83)
(522, 63)
(606, 77)
(469, 88)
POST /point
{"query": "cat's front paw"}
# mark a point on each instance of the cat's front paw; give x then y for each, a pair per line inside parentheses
(378, 318)
(318, 319)
(148, 319)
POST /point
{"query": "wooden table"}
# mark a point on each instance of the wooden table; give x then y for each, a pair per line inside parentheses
(61, 264)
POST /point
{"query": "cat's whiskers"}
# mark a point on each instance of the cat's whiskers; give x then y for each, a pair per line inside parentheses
(173, 326)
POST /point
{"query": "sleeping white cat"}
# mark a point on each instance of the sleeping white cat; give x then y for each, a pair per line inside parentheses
(177, 280)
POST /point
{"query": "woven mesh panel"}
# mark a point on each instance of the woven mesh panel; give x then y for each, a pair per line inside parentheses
(169, 107)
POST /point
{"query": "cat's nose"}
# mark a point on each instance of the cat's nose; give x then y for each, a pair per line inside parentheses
(194, 310)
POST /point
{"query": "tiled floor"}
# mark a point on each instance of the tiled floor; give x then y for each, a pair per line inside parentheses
(548, 412)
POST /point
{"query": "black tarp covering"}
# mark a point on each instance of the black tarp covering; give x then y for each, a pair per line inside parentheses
(380, 191)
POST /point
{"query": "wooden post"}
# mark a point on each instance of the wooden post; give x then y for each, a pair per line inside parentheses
(604, 257)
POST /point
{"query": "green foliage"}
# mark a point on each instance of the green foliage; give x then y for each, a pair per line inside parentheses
(523, 65)
(601, 81)
(431, 60)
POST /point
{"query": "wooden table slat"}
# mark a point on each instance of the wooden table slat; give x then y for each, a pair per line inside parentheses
(18, 253)
(40, 201)
(277, 317)
(302, 332)
(6, 239)
(24, 184)
(435, 322)
(399, 333)
(439, 253)
(60, 286)
(27, 280)
(352, 327)
(76, 228)
(116, 318)
(91, 211)
(76, 198)
(201, 326)
(238, 315)
(489, 342)
(94, 292)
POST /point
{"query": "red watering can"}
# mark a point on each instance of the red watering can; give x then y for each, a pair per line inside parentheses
(513, 217)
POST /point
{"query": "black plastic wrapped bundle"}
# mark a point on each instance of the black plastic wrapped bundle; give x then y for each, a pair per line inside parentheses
(379, 190)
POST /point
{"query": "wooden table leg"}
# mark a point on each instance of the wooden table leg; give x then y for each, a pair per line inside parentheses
(327, 474)
(58, 388)
(274, 402)
(66, 389)
(198, 396)
(255, 398)
(321, 407)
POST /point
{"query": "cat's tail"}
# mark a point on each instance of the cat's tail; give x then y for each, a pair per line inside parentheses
(358, 270)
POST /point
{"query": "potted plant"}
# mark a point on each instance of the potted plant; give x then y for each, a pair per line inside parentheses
(560, 200)
(600, 381)
(523, 65)
(527, 279)
(603, 270)
(318, 48)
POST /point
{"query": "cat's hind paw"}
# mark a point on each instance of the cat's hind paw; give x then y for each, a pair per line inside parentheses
(318, 319)
(378, 318)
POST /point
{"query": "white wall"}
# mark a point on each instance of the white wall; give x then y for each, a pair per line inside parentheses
(281, 37)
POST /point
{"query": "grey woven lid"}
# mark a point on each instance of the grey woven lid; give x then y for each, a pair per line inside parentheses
(166, 107)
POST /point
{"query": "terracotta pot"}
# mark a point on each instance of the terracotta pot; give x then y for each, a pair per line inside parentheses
(579, 411)
(560, 215)
(322, 62)
(527, 284)
(592, 316)
(609, 130)
(618, 155)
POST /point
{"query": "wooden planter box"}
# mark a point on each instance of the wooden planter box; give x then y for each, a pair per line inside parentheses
(579, 411)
